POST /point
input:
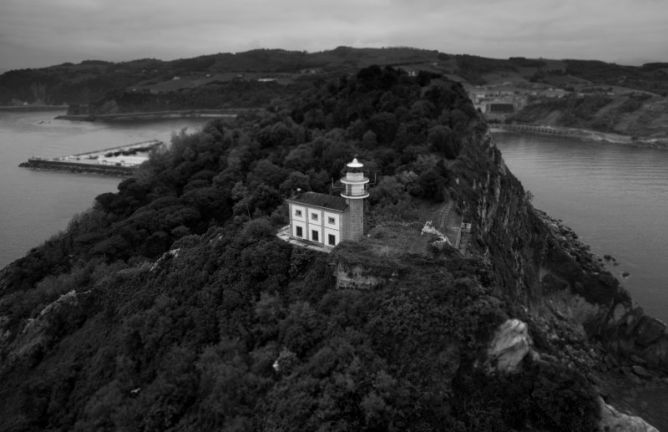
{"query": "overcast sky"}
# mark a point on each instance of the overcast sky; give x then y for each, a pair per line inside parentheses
(37, 33)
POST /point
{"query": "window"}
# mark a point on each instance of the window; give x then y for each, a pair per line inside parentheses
(314, 216)
(300, 232)
(331, 220)
(298, 213)
(314, 235)
(331, 239)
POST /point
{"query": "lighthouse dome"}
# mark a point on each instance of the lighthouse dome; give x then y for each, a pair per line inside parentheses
(355, 164)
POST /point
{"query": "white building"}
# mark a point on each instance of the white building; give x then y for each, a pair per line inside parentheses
(318, 218)
(328, 219)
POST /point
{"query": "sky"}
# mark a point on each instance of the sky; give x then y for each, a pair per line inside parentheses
(36, 33)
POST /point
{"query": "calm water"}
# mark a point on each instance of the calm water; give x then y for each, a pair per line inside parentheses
(34, 205)
(614, 197)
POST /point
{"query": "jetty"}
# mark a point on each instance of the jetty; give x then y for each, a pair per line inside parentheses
(538, 130)
(114, 161)
(34, 107)
(581, 134)
(226, 114)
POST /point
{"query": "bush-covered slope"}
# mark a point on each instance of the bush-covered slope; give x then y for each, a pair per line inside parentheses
(639, 115)
(150, 84)
(171, 305)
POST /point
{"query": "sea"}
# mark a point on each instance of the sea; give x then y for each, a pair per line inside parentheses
(615, 197)
(36, 205)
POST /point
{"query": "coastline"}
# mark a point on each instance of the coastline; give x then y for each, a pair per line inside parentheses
(581, 134)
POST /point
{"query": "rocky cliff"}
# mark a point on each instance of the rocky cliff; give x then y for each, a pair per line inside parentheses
(538, 260)
(564, 289)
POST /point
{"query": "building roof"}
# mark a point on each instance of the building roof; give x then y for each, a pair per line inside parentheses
(321, 200)
(355, 164)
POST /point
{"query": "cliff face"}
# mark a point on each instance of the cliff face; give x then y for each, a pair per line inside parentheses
(542, 265)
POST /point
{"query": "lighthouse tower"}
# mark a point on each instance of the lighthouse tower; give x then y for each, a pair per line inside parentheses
(354, 193)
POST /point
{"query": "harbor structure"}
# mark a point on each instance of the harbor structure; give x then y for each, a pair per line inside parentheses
(116, 161)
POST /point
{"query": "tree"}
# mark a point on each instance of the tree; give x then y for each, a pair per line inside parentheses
(432, 186)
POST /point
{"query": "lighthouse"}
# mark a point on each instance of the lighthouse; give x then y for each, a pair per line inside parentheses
(321, 221)
(355, 191)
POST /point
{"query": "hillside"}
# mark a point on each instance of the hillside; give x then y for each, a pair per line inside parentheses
(90, 82)
(638, 115)
(625, 99)
(172, 305)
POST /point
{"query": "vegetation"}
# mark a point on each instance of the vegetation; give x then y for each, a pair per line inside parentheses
(474, 67)
(225, 79)
(171, 305)
(573, 111)
(621, 114)
(652, 78)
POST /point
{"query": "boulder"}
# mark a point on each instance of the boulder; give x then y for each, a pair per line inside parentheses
(648, 330)
(641, 371)
(657, 354)
(510, 345)
(614, 421)
(618, 313)
(551, 283)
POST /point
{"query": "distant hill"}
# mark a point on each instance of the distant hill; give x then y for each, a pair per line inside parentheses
(91, 81)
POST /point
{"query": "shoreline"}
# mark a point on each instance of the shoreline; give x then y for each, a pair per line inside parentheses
(587, 135)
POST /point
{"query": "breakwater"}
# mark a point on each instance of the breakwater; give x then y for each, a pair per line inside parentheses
(539, 130)
(154, 115)
(31, 108)
(74, 167)
(114, 161)
(582, 135)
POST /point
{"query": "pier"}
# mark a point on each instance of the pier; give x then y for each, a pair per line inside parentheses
(228, 114)
(29, 108)
(539, 130)
(115, 161)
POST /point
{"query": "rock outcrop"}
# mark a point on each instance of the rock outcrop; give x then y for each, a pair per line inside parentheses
(355, 277)
(510, 345)
(534, 255)
(614, 421)
(37, 334)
